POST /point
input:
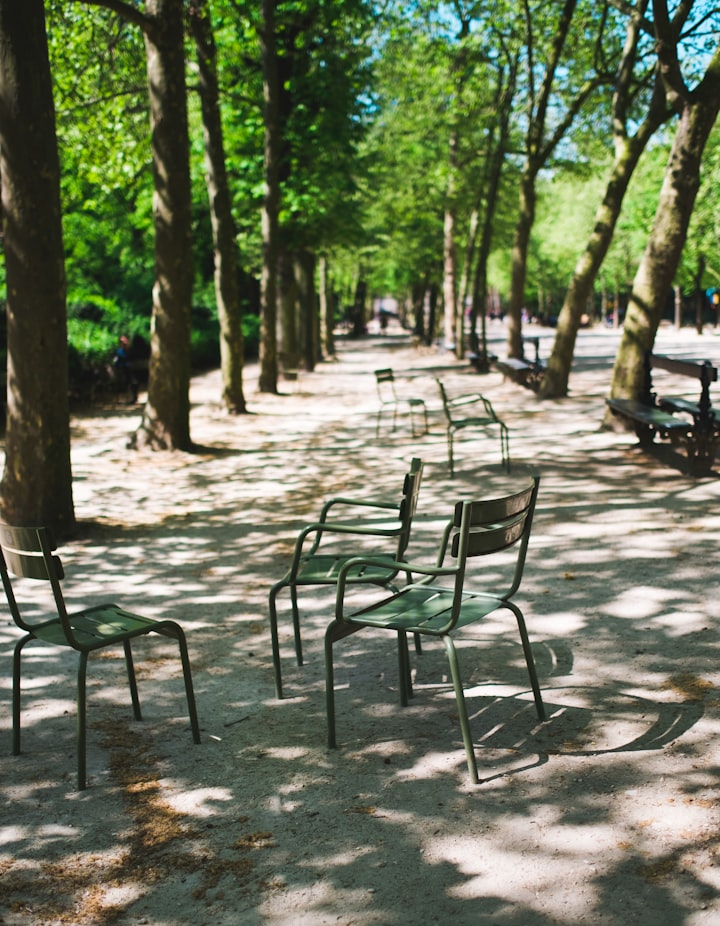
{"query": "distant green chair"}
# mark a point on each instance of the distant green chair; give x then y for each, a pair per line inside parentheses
(438, 602)
(390, 401)
(483, 417)
(28, 553)
(313, 564)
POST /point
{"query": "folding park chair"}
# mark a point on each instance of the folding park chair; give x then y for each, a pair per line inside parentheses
(484, 418)
(313, 564)
(427, 607)
(389, 399)
(28, 553)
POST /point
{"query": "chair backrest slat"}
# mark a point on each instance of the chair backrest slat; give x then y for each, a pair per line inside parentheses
(27, 553)
(24, 555)
(492, 540)
(385, 383)
(408, 505)
(479, 528)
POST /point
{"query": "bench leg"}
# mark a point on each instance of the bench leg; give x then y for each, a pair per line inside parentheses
(645, 435)
(701, 454)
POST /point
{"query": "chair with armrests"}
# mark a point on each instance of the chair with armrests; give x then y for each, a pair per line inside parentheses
(482, 416)
(323, 547)
(389, 399)
(439, 602)
(29, 553)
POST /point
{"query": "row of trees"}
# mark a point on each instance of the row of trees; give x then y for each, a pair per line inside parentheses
(303, 148)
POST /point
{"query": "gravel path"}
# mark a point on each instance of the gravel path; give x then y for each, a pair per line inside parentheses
(606, 814)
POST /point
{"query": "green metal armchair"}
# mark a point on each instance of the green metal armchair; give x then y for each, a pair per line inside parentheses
(439, 602)
(28, 553)
(317, 559)
(390, 401)
(482, 416)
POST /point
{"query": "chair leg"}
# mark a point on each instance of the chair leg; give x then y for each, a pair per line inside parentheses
(272, 610)
(337, 630)
(189, 691)
(505, 447)
(171, 629)
(529, 660)
(330, 685)
(296, 624)
(462, 708)
(405, 678)
(82, 722)
(422, 430)
(17, 657)
(450, 453)
(131, 679)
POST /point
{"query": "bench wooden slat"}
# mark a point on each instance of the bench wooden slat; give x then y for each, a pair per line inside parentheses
(648, 414)
(684, 367)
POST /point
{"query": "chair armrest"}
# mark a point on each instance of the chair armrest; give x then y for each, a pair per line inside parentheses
(320, 528)
(356, 503)
(468, 399)
(428, 572)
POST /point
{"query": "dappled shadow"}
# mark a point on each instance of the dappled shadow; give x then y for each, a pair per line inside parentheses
(606, 813)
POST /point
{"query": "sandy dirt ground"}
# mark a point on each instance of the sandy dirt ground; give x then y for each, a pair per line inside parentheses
(606, 814)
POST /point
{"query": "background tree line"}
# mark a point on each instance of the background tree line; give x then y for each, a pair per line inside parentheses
(220, 178)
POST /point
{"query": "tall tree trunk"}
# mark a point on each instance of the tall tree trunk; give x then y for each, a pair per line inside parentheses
(518, 274)
(466, 277)
(628, 149)
(663, 251)
(417, 299)
(538, 151)
(450, 281)
(271, 202)
(307, 302)
(327, 311)
(227, 286)
(699, 294)
(557, 376)
(453, 329)
(166, 417)
(491, 192)
(432, 322)
(165, 423)
(287, 302)
(37, 480)
(357, 312)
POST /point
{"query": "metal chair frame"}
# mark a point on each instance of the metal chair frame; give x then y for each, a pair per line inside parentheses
(389, 399)
(29, 553)
(312, 566)
(485, 419)
(438, 602)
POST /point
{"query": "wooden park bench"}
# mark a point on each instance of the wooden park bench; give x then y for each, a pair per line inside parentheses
(521, 370)
(692, 424)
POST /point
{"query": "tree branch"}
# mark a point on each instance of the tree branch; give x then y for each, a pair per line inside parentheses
(130, 13)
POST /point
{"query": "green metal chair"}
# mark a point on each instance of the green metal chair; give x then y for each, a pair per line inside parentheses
(485, 417)
(389, 399)
(438, 603)
(28, 553)
(323, 547)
